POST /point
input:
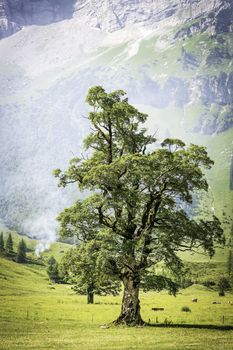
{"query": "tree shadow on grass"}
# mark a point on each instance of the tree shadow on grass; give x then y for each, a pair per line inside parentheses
(196, 326)
(106, 303)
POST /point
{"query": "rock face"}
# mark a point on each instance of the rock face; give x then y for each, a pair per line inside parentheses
(112, 15)
(219, 88)
(216, 93)
(7, 26)
(14, 14)
(216, 18)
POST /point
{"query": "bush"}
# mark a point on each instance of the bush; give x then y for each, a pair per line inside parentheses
(185, 309)
(209, 283)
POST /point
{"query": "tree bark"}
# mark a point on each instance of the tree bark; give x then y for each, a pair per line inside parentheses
(130, 309)
(90, 295)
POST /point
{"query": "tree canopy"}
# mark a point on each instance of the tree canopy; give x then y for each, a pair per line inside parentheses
(137, 191)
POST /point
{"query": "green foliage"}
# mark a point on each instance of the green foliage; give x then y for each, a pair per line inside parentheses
(209, 283)
(2, 247)
(152, 281)
(223, 285)
(53, 270)
(138, 195)
(230, 263)
(84, 267)
(9, 244)
(21, 252)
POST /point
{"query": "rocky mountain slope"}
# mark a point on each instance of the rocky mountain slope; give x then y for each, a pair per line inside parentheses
(15, 14)
(116, 14)
(174, 58)
(111, 15)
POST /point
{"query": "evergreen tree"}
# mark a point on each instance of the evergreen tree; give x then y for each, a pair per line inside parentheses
(52, 270)
(136, 199)
(9, 244)
(21, 252)
(2, 248)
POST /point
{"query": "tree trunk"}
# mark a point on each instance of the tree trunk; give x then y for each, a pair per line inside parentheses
(130, 309)
(90, 295)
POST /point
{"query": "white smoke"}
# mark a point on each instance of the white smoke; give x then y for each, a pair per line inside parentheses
(41, 247)
(43, 228)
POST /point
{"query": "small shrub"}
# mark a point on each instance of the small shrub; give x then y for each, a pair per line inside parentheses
(209, 283)
(185, 309)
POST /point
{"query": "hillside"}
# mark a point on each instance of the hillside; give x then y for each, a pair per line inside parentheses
(56, 249)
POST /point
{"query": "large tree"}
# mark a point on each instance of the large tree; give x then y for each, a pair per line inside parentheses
(137, 191)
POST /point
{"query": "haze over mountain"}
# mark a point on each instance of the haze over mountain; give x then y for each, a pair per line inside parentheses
(174, 58)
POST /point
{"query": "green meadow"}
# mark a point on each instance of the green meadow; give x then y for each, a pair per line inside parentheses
(36, 314)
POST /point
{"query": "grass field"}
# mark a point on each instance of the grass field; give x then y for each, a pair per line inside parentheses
(35, 314)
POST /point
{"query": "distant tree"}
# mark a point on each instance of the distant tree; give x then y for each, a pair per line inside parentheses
(85, 267)
(137, 191)
(223, 285)
(9, 244)
(2, 247)
(52, 270)
(230, 263)
(21, 252)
